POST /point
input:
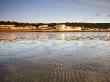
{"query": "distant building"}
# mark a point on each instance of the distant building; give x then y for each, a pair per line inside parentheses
(61, 27)
(67, 28)
(24, 28)
(6, 26)
(43, 27)
(77, 28)
(13, 27)
(33, 27)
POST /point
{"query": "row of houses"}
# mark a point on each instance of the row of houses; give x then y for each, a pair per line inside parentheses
(40, 27)
(13, 27)
(59, 27)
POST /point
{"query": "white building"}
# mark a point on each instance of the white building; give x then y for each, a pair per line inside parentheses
(77, 28)
(63, 27)
(43, 27)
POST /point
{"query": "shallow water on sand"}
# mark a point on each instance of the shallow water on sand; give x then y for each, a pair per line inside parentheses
(54, 57)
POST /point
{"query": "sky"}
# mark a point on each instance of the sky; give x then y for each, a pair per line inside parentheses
(55, 11)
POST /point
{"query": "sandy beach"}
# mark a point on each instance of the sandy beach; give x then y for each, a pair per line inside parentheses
(54, 57)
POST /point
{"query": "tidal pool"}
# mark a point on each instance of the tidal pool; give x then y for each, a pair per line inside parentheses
(55, 57)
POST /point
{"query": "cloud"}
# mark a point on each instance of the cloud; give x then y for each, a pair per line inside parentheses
(108, 15)
(97, 3)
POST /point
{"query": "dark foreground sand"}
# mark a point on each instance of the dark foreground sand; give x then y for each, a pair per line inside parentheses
(93, 70)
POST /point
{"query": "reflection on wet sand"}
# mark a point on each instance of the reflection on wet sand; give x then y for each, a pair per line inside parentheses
(57, 35)
(54, 57)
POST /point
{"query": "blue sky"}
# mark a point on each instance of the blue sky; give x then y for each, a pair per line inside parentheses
(55, 11)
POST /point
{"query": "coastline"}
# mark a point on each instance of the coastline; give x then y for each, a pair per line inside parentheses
(54, 30)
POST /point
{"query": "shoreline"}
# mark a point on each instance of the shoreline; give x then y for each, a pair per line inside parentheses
(53, 31)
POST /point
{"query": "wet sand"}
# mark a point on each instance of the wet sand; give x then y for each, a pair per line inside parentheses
(54, 57)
